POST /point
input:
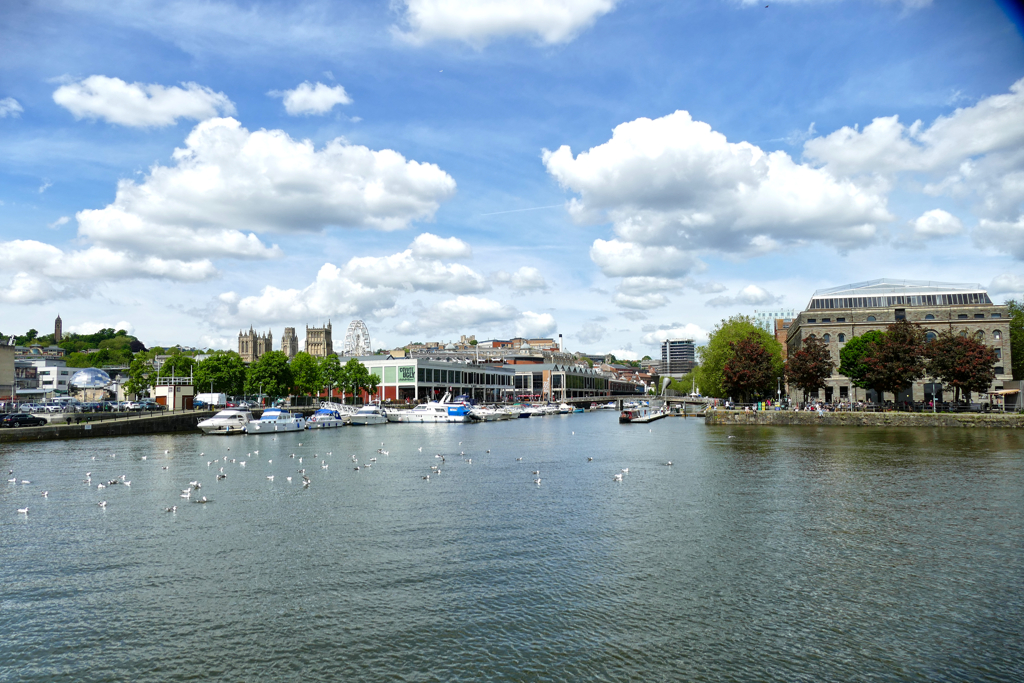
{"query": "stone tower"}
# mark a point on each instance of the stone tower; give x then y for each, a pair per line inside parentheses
(252, 345)
(318, 341)
(290, 343)
(58, 329)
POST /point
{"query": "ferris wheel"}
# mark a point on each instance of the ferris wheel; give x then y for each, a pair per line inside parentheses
(357, 340)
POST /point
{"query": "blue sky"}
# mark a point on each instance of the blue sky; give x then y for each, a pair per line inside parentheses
(614, 171)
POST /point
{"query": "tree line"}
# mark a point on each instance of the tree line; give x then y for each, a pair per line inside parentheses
(271, 374)
(743, 361)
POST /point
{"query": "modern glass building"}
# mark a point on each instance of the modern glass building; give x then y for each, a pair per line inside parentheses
(838, 314)
(678, 356)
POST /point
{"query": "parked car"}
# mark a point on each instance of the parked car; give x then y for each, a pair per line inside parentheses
(22, 420)
(31, 408)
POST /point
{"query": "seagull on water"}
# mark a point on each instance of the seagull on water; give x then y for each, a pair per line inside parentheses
(201, 500)
(669, 463)
(617, 477)
(288, 478)
(101, 486)
(173, 508)
(103, 503)
(271, 477)
(590, 460)
(44, 494)
(23, 511)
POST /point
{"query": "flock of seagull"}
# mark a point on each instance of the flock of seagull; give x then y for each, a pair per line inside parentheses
(192, 492)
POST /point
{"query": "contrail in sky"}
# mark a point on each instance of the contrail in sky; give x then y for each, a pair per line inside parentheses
(535, 208)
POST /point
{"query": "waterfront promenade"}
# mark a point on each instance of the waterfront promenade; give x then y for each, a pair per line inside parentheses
(724, 416)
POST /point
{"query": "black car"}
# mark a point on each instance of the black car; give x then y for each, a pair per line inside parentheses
(21, 420)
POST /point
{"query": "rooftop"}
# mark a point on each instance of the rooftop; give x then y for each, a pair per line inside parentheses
(905, 287)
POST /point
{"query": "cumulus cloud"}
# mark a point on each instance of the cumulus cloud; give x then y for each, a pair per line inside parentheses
(427, 245)
(616, 258)
(1004, 236)
(308, 98)
(226, 177)
(532, 325)
(140, 105)
(474, 22)
(675, 183)
(674, 331)
(407, 271)
(974, 150)
(640, 301)
(43, 272)
(591, 333)
(625, 354)
(10, 107)
(57, 223)
(751, 295)
(526, 279)
(936, 223)
(1008, 283)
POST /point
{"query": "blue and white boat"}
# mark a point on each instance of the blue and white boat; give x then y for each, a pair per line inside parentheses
(325, 418)
(434, 411)
(276, 420)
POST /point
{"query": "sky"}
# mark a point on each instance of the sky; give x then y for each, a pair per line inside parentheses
(615, 171)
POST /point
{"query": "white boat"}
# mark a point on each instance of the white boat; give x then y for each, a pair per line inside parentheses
(325, 418)
(433, 411)
(634, 411)
(276, 420)
(486, 413)
(610, 405)
(230, 421)
(369, 415)
(564, 408)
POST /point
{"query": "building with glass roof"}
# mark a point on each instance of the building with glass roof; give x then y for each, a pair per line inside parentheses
(838, 314)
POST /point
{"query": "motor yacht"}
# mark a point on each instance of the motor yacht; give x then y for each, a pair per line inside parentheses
(369, 415)
(433, 411)
(325, 418)
(230, 421)
(276, 420)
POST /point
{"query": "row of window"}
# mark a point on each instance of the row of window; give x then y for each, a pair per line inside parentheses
(900, 316)
(997, 335)
(972, 298)
(439, 376)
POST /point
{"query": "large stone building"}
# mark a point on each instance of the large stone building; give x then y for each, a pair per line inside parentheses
(290, 342)
(838, 314)
(252, 345)
(318, 341)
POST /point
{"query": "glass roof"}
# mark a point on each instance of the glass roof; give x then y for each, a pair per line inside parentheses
(904, 287)
(90, 378)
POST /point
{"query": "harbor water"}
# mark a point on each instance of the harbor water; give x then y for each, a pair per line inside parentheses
(759, 554)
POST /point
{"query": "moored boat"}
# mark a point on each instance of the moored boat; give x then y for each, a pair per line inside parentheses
(433, 411)
(276, 420)
(325, 418)
(370, 414)
(230, 421)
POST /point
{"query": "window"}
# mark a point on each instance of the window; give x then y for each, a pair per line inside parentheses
(842, 337)
(999, 353)
(812, 320)
(997, 315)
(979, 335)
(826, 320)
(963, 333)
(929, 317)
(812, 337)
(997, 334)
(901, 314)
(962, 316)
(979, 315)
(826, 337)
(844, 392)
(840, 320)
(930, 335)
(999, 369)
(871, 318)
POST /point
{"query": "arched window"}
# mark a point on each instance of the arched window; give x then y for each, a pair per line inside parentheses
(997, 334)
(963, 333)
(980, 335)
(871, 318)
(812, 337)
(842, 337)
(826, 338)
(929, 317)
(930, 335)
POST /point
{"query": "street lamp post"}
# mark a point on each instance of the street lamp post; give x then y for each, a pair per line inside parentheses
(778, 389)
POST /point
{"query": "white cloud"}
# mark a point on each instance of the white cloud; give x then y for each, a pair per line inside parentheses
(427, 245)
(469, 311)
(94, 327)
(312, 99)
(475, 22)
(625, 354)
(616, 258)
(675, 182)
(528, 278)
(687, 331)
(533, 325)
(1007, 283)
(591, 333)
(226, 177)
(10, 107)
(640, 301)
(937, 223)
(974, 150)
(751, 295)
(140, 104)
(407, 271)
(1004, 236)
(28, 288)
(57, 223)
(45, 186)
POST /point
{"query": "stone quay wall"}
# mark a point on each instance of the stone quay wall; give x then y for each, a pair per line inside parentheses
(96, 426)
(721, 416)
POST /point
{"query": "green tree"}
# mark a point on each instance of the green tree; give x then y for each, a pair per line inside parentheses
(750, 372)
(717, 352)
(355, 377)
(810, 366)
(852, 360)
(330, 373)
(140, 376)
(896, 361)
(1017, 337)
(177, 365)
(306, 371)
(272, 372)
(224, 371)
(960, 362)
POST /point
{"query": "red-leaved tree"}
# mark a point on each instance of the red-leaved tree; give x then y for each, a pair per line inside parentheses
(749, 372)
(809, 367)
(960, 362)
(896, 361)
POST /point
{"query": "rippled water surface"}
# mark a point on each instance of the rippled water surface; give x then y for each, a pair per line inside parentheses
(761, 554)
